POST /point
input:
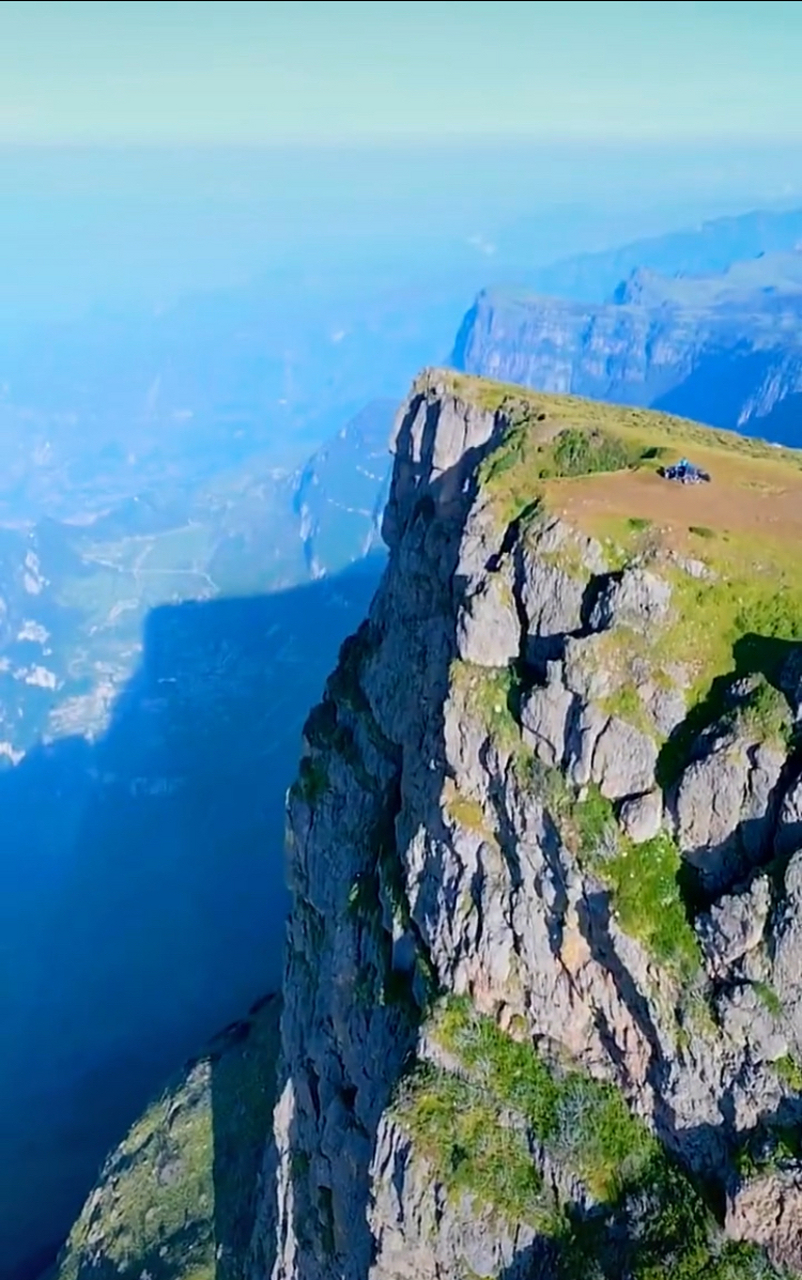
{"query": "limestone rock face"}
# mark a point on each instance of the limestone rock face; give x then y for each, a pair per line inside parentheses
(545, 717)
(769, 1209)
(488, 630)
(637, 599)
(487, 896)
(788, 837)
(724, 808)
(624, 760)
(734, 925)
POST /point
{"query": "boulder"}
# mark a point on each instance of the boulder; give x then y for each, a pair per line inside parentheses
(641, 817)
(734, 925)
(788, 837)
(624, 760)
(723, 808)
(637, 599)
(552, 605)
(544, 717)
(488, 630)
(786, 975)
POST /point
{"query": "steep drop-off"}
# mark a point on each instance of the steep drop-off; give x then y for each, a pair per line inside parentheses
(176, 1200)
(542, 1007)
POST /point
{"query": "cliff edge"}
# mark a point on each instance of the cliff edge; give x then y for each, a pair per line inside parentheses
(542, 1003)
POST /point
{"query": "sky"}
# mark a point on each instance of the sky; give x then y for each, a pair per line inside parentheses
(147, 148)
(201, 72)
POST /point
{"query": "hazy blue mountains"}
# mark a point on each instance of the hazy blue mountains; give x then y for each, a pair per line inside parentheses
(722, 348)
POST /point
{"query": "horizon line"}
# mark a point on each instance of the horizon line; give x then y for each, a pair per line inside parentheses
(692, 144)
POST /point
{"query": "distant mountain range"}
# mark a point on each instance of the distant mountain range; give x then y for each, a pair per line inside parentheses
(707, 249)
(724, 348)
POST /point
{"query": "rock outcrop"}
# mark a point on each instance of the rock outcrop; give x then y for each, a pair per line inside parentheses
(512, 1045)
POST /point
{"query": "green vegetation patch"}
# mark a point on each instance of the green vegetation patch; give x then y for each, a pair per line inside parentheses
(492, 696)
(645, 886)
(476, 1127)
(768, 998)
(627, 704)
(643, 879)
(790, 1072)
(658, 434)
(766, 715)
(464, 1134)
(660, 1230)
(527, 458)
(769, 1147)
(582, 453)
(584, 1122)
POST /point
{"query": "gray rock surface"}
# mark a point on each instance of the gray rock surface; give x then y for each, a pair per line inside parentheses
(734, 925)
(422, 1234)
(665, 705)
(545, 716)
(786, 972)
(624, 760)
(637, 599)
(488, 630)
(641, 817)
(768, 1209)
(724, 808)
(552, 603)
(788, 838)
(791, 682)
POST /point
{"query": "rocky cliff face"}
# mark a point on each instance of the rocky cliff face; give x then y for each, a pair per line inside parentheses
(542, 1002)
(722, 349)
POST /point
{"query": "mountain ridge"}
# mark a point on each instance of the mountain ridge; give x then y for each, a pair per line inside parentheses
(722, 349)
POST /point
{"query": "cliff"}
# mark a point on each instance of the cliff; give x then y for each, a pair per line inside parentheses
(721, 348)
(542, 1009)
(542, 1006)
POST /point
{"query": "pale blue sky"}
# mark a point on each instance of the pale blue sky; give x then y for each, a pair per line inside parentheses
(232, 72)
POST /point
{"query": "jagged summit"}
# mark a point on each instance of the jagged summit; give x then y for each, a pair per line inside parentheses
(542, 1001)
